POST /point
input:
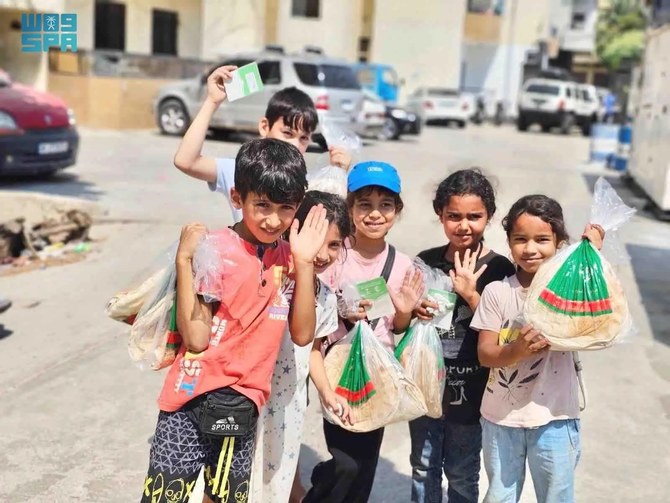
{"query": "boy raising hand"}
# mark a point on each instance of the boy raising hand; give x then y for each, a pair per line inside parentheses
(290, 116)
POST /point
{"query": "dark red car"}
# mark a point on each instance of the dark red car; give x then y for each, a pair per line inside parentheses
(37, 131)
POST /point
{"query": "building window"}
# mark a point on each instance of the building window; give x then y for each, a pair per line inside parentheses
(306, 8)
(486, 6)
(110, 25)
(164, 25)
(578, 21)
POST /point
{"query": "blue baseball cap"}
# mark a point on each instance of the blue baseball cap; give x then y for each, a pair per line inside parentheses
(377, 173)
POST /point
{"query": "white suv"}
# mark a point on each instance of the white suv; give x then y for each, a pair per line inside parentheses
(556, 103)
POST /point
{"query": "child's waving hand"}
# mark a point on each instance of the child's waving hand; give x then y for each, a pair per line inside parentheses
(407, 298)
(464, 276)
(306, 244)
(216, 91)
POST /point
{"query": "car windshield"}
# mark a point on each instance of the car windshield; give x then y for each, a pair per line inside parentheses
(543, 89)
(325, 75)
(442, 92)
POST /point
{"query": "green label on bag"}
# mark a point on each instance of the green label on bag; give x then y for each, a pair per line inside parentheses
(376, 291)
(246, 80)
(446, 302)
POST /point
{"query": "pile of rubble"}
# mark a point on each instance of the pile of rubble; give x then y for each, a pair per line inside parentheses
(54, 241)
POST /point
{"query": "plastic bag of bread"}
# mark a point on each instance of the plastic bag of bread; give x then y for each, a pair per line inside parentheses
(420, 354)
(576, 300)
(367, 374)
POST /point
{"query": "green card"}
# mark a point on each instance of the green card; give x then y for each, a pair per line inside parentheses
(246, 81)
(375, 290)
(446, 302)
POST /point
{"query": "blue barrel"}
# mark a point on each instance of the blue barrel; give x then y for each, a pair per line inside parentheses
(623, 149)
(604, 141)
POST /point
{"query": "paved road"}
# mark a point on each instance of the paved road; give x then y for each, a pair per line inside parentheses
(76, 415)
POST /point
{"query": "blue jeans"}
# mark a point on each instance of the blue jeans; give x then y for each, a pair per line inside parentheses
(438, 445)
(552, 452)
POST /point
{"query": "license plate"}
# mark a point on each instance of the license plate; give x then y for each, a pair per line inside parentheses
(448, 103)
(54, 147)
(347, 105)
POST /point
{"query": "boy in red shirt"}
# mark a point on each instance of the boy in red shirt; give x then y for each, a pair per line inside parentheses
(221, 377)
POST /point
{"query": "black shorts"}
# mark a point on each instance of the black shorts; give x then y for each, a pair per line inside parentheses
(179, 450)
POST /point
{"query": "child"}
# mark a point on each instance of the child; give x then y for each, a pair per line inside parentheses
(278, 443)
(530, 409)
(221, 377)
(374, 204)
(290, 117)
(465, 204)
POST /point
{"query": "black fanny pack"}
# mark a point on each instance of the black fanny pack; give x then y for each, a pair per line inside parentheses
(226, 413)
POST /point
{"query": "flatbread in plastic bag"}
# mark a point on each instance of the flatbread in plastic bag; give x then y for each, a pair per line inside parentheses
(575, 299)
(367, 374)
(420, 354)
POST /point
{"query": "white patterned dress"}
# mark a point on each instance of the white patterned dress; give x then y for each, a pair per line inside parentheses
(281, 420)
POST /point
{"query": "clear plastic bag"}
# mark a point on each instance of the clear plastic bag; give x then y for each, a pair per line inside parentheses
(576, 300)
(439, 289)
(149, 308)
(420, 354)
(214, 263)
(383, 395)
(333, 179)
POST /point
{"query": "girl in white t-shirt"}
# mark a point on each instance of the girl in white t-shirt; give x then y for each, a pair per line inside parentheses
(281, 420)
(530, 409)
(374, 204)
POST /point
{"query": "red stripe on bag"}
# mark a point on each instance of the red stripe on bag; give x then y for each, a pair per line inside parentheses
(355, 396)
(600, 306)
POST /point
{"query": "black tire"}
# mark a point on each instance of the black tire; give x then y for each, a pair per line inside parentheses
(586, 128)
(320, 141)
(461, 124)
(567, 121)
(521, 123)
(545, 128)
(172, 117)
(391, 130)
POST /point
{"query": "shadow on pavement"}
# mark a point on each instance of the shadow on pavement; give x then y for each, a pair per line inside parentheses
(648, 263)
(58, 184)
(4, 332)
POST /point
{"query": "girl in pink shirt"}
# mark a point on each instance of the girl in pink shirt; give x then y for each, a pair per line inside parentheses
(530, 408)
(374, 203)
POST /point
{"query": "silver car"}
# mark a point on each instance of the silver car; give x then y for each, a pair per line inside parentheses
(330, 83)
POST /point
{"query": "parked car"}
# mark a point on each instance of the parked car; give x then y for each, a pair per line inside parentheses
(556, 103)
(440, 105)
(588, 107)
(331, 83)
(400, 122)
(373, 114)
(37, 131)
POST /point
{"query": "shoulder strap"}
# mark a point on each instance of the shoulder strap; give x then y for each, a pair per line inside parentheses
(386, 274)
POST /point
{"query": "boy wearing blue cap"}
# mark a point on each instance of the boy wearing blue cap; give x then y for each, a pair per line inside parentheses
(374, 204)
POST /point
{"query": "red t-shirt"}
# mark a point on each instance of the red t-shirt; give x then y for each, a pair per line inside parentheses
(246, 329)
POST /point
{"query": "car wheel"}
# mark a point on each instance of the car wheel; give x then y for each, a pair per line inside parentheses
(545, 128)
(460, 124)
(567, 121)
(172, 117)
(521, 123)
(320, 141)
(391, 131)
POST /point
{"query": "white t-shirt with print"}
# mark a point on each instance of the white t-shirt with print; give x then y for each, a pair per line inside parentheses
(225, 180)
(281, 420)
(535, 391)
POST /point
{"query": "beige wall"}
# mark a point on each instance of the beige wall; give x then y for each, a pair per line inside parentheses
(336, 30)
(230, 26)
(531, 21)
(422, 39)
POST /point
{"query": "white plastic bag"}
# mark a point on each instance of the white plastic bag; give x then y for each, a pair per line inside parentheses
(214, 262)
(391, 396)
(333, 179)
(576, 300)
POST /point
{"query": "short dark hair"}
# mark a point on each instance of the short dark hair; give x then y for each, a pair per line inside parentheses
(542, 207)
(369, 189)
(271, 168)
(335, 206)
(295, 108)
(465, 182)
